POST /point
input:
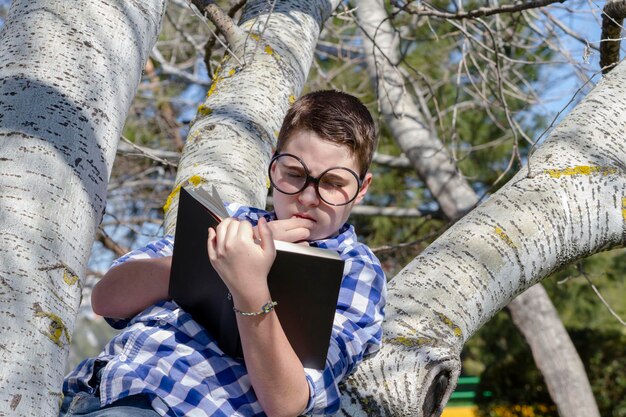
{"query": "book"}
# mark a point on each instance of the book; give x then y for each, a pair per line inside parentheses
(303, 280)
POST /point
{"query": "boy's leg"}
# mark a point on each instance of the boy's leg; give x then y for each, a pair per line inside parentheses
(88, 405)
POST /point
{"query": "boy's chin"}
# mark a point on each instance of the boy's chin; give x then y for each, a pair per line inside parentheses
(320, 235)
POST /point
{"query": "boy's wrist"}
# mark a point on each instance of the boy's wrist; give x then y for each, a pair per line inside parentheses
(265, 309)
(252, 299)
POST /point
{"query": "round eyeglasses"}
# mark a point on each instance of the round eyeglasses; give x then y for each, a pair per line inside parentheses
(337, 186)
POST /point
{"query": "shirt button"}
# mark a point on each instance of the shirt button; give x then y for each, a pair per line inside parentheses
(162, 322)
(122, 358)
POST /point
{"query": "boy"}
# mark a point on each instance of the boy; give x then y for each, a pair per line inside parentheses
(164, 364)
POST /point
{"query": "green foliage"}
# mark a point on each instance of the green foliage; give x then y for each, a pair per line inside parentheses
(604, 356)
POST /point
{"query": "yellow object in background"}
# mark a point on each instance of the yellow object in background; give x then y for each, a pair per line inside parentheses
(469, 411)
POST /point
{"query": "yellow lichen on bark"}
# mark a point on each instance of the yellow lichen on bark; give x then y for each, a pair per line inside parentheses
(204, 110)
(410, 341)
(69, 277)
(446, 320)
(195, 180)
(216, 79)
(193, 136)
(56, 327)
(624, 208)
(213, 86)
(504, 237)
(581, 170)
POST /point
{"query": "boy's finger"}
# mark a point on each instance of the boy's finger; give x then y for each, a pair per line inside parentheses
(221, 234)
(255, 232)
(297, 222)
(210, 243)
(245, 230)
(232, 230)
(291, 230)
(265, 233)
(299, 234)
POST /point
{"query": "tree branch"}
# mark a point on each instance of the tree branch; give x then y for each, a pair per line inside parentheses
(425, 9)
(391, 161)
(172, 70)
(210, 43)
(109, 243)
(612, 17)
(222, 21)
(128, 147)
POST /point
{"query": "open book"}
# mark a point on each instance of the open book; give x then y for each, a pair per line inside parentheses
(303, 280)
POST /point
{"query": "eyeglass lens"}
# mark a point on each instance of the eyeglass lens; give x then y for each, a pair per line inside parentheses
(336, 186)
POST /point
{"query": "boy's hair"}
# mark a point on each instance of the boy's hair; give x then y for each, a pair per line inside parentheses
(336, 117)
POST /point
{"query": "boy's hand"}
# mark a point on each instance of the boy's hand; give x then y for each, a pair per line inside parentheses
(295, 229)
(242, 262)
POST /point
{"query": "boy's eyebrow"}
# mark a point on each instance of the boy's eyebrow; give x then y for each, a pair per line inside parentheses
(333, 176)
(293, 165)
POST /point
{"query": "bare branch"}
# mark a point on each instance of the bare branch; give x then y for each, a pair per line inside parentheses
(569, 31)
(390, 211)
(404, 212)
(210, 43)
(109, 243)
(172, 70)
(157, 155)
(389, 248)
(595, 290)
(224, 24)
(222, 21)
(425, 9)
(391, 161)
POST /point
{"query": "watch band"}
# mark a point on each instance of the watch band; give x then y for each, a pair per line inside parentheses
(265, 309)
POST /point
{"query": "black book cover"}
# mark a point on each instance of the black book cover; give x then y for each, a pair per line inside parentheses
(303, 280)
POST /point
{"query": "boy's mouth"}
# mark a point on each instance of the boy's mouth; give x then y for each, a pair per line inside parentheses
(303, 216)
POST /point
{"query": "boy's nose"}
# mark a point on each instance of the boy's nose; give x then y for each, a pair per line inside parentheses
(308, 197)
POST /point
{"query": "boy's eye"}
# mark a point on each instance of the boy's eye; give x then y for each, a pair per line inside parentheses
(332, 183)
(295, 173)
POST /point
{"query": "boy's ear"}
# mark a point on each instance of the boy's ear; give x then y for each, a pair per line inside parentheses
(366, 184)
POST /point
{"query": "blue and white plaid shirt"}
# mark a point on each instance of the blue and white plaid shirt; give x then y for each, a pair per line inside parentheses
(163, 353)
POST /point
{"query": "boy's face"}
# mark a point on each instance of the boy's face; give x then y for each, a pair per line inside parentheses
(318, 155)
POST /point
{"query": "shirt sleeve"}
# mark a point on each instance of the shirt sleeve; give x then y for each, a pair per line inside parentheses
(357, 331)
(156, 249)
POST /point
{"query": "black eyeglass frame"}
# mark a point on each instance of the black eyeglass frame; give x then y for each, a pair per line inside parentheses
(314, 180)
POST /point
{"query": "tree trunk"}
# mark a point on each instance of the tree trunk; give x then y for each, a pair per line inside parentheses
(68, 73)
(567, 204)
(437, 169)
(234, 133)
(535, 311)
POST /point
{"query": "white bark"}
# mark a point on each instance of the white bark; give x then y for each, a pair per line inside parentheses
(234, 133)
(68, 72)
(568, 204)
(456, 197)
